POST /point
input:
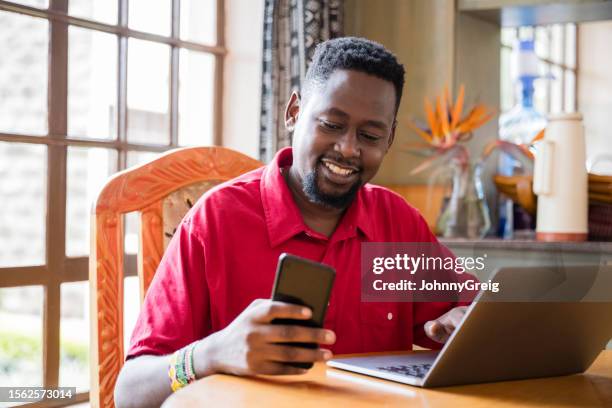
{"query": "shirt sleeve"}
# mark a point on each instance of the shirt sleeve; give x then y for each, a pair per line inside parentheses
(176, 309)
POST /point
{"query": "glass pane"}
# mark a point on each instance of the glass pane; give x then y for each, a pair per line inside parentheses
(88, 169)
(131, 308)
(23, 180)
(556, 91)
(570, 45)
(24, 46)
(100, 10)
(506, 97)
(21, 336)
(199, 21)
(92, 84)
(131, 225)
(137, 158)
(74, 336)
(148, 92)
(196, 95)
(151, 16)
(508, 36)
(33, 3)
(540, 95)
(570, 91)
(526, 33)
(556, 49)
(542, 43)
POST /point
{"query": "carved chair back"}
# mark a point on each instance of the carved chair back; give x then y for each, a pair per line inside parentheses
(161, 192)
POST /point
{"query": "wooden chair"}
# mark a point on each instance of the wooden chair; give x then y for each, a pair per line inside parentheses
(161, 192)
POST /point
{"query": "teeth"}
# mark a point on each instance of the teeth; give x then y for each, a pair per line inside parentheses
(338, 170)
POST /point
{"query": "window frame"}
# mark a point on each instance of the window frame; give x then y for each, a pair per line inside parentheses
(529, 32)
(58, 267)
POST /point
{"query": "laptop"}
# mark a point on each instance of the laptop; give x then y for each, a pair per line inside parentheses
(549, 321)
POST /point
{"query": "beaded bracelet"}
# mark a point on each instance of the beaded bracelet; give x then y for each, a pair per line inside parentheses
(181, 370)
(175, 385)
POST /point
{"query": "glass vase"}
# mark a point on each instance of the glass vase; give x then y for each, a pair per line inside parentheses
(464, 212)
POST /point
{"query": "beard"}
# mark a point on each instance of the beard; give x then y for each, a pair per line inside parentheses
(310, 185)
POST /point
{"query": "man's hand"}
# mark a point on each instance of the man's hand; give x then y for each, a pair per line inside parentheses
(249, 345)
(440, 329)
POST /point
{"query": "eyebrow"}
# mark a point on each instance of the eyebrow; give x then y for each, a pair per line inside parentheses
(374, 123)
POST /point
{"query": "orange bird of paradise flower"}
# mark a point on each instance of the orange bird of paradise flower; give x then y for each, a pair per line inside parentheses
(446, 125)
(447, 129)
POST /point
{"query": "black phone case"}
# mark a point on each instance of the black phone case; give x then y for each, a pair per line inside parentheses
(292, 299)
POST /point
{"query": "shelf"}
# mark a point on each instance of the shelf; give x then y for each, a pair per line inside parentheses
(514, 13)
(591, 247)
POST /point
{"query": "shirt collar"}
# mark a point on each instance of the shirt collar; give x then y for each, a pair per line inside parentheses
(355, 218)
(283, 217)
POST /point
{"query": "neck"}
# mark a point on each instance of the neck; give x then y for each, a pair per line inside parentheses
(320, 218)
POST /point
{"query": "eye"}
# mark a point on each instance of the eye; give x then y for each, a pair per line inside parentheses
(329, 125)
(369, 137)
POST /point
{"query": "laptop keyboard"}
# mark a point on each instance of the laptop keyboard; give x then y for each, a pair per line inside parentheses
(413, 370)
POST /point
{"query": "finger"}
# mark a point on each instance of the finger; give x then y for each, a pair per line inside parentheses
(283, 353)
(458, 316)
(267, 311)
(436, 331)
(462, 309)
(276, 368)
(294, 333)
(428, 329)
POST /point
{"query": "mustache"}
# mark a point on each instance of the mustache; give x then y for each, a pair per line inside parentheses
(338, 158)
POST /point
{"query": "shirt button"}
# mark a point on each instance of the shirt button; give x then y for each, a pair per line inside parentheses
(389, 316)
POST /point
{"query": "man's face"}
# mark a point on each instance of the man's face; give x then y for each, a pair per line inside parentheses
(342, 132)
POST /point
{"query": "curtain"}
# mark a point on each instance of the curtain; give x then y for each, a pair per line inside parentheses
(292, 29)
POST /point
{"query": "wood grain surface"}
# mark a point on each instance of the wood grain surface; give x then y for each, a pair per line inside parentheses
(329, 387)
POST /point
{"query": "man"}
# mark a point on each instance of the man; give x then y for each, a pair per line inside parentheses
(209, 293)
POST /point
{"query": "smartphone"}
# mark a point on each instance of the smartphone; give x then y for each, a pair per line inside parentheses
(303, 282)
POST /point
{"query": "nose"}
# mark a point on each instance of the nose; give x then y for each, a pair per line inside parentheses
(347, 145)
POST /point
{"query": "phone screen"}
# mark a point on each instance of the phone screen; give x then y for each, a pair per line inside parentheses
(304, 282)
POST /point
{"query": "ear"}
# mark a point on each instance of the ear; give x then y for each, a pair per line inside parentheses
(292, 111)
(392, 135)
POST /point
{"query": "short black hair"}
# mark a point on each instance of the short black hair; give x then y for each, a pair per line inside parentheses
(358, 54)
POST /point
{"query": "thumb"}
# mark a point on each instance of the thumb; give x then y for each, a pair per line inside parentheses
(436, 331)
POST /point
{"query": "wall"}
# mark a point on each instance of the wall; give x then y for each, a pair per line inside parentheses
(420, 33)
(477, 65)
(242, 75)
(438, 48)
(595, 87)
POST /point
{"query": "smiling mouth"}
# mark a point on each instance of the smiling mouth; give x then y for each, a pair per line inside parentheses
(338, 169)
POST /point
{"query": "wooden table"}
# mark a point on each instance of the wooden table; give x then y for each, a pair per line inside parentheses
(323, 386)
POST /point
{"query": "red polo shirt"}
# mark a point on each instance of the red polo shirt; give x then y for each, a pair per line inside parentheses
(225, 251)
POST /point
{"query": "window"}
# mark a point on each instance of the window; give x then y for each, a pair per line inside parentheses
(87, 88)
(555, 46)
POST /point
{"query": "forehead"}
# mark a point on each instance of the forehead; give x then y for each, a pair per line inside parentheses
(358, 94)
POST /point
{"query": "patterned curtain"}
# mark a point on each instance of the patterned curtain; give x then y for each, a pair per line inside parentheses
(292, 29)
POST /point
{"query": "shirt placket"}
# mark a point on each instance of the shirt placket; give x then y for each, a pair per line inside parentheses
(330, 257)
